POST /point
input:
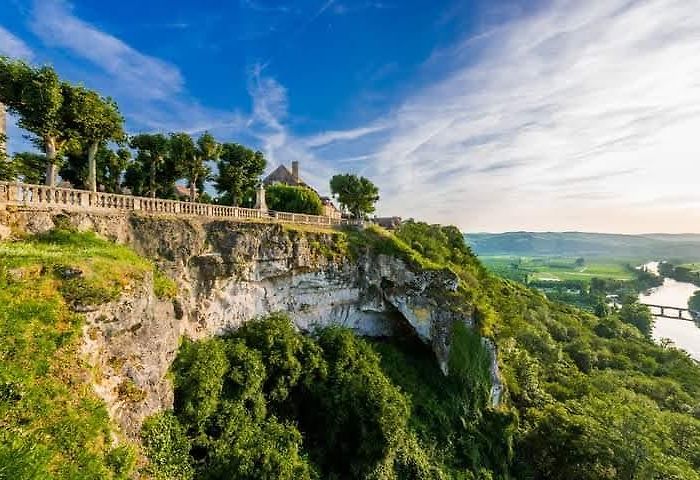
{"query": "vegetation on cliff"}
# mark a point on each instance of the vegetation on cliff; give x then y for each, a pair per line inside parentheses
(52, 425)
(268, 402)
(586, 397)
(595, 398)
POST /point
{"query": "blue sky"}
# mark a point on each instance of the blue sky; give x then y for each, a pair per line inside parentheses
(493, 115)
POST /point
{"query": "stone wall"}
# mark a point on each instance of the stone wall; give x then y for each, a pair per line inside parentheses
(42, 197)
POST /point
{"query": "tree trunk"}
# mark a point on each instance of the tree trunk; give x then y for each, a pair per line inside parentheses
(51, 161)
(193, 189)
(92, 167)
(153, 177)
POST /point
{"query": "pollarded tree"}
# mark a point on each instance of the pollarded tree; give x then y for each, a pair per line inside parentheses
(7, 167)
(152, 149)
(239, 172)
(111, 165)
(183, 154)
(356, 194)
(191, 158)
(94, 120)
(208, 150)
(37, 97)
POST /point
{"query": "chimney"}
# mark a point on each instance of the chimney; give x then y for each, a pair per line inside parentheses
(295, 171)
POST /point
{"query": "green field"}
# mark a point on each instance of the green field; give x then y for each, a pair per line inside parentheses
(693, 267)
(558, 269)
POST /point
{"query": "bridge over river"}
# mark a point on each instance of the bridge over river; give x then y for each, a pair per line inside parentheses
(674, 313)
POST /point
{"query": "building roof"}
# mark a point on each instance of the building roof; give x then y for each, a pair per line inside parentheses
(282, 175)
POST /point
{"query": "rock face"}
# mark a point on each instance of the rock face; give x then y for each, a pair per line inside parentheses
(230, 272)
(132, 343)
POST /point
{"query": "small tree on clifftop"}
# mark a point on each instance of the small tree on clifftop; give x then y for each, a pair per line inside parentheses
(356, 194)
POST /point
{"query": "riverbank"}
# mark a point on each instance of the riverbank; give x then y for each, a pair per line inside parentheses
(683, 334)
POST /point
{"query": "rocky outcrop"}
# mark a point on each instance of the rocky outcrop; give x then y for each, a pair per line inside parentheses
(131, 344)
(229, 272)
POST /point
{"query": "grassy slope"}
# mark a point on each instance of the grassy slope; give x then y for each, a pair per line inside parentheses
(52, 424)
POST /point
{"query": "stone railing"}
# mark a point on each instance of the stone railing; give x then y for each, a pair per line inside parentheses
(42, 197)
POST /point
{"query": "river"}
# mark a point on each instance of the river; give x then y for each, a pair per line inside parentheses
(683, 334)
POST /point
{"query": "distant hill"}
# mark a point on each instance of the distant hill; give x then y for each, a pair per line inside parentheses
(571, 244)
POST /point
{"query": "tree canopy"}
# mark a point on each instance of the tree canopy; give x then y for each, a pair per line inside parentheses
(37, 97)
(239, 173)
(356, 194)
(153, 150)
(287, 198)
(93, 120)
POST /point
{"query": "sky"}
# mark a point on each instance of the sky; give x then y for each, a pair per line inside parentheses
(539, 115)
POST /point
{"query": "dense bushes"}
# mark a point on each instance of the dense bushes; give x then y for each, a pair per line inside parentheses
(286, 198)
(595, 397)
(268, 402)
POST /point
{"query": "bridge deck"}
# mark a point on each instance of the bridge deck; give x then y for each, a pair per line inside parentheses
(677, 313)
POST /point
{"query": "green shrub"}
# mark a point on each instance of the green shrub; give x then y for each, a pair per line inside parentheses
(287, 198)
(164, 287)
(167, 447)
(268, 402)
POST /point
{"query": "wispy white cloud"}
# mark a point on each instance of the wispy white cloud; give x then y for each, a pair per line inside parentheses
(333, 136)
(151, 92)
(13, 46)
(357, 6)
(54, 23)
(267, 124)
(594, 100)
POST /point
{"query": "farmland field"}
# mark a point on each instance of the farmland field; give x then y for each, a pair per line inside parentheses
(559, 268)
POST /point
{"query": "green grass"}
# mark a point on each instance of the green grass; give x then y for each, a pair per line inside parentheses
(52, 425)
(164, 287)
(693, 267)
(540, 268)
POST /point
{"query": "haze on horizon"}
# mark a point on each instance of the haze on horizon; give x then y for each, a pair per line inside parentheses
(555, 115)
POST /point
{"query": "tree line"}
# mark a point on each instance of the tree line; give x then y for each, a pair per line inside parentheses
(82, 138)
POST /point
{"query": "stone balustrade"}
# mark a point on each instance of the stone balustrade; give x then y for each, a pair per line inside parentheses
(42, 197)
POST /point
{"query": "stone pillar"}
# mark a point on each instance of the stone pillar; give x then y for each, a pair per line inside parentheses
(260, 203)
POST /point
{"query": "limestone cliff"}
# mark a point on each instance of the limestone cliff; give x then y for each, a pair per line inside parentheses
(229, 272)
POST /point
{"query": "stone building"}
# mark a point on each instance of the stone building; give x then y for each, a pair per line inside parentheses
(291, 177)
(282, 175)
